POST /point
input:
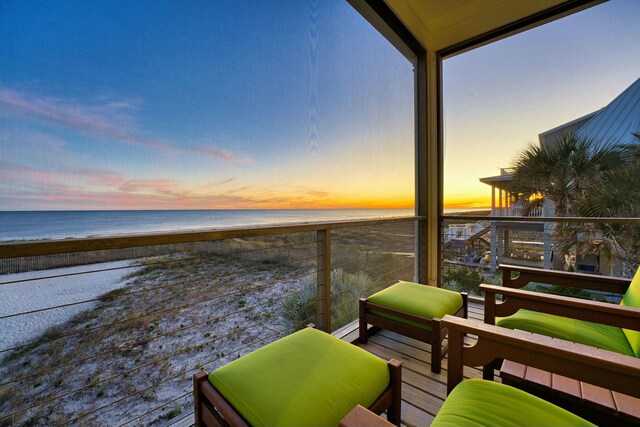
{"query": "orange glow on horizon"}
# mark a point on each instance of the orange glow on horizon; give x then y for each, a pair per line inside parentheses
(272, 201)
(461, 202)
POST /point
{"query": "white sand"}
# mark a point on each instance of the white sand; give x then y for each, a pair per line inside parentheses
(37, 294)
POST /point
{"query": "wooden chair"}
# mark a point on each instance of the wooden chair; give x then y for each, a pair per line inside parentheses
(290, 375)
(603, 325)
(617, 316)
(505, 405)
(577, 361)
(413, 310)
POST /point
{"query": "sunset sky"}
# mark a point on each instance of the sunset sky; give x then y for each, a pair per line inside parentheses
(499, 97)
(200, 104)
(288, 104)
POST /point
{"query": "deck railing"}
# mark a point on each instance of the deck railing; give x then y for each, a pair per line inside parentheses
(507, 171)
(607, 246)
(113, 337)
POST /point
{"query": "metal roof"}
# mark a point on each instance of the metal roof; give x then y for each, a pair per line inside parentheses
(617, 121)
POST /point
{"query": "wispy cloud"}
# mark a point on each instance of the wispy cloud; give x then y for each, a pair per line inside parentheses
(102, 119)
(226, 181)
(19, 176)
(85, 188)
(237, 190)
(102, 177)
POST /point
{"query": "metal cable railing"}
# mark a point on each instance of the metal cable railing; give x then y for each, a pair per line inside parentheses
(172, 316)
(147, 364)
(151, 411)
(185, 372)
(592, 245)
(91, 329)
(129, 371)
(144, 341)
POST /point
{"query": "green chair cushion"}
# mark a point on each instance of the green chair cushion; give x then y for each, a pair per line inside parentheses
(592, 334)
(309, 378)
(486, 403)
(421, 300)
(632, 299)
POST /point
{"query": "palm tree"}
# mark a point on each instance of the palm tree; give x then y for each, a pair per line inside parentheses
(582, 178)
(563, 171)
(617, 194)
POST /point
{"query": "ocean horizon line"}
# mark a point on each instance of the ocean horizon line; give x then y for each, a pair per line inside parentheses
(449, 209)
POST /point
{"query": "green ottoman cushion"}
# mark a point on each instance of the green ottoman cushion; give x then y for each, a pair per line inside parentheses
(485, 403)
(593, 334)
(309, 378)
(632, 299)
(421, 300)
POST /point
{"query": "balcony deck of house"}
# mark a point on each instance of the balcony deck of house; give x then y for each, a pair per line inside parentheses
(185, 272)
(423, 392)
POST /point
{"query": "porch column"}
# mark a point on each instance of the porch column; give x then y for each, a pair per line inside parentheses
(427, 233)
(428, 112)
(493, 266)
(493, 201)
(548, 209)
(500, 248)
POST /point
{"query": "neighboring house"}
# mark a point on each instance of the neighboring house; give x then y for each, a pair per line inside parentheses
(614, 123)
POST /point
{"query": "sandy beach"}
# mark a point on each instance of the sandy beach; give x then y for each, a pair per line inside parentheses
(28, 293)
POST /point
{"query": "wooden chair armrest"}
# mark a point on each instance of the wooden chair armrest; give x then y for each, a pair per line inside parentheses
(603, 368)
(527, 275)
(576, 308)
(362, 417)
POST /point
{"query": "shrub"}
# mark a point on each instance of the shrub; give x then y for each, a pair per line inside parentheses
(172, 413)
(346, 288)
(463, 279)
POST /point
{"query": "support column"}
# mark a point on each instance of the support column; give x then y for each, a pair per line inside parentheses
(493, 201)
(323, 277)
(506, 244)
(434, 166)
(548, 209)
(493, 266)
(423, 233)
(500, 248)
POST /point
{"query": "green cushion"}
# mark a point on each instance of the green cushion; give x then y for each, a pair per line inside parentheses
(632, 299)
(421, 300)
(485, 403)
(309, 378)
(592, 334)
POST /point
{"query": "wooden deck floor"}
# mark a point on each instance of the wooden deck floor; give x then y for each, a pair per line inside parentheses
(423, 392)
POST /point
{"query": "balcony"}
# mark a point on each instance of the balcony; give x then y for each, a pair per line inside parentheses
(123, 353)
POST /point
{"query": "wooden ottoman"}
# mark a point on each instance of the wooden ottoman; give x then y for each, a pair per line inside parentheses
(413, 310)
(309, 378)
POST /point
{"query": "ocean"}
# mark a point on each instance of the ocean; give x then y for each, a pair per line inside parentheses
(40, 225)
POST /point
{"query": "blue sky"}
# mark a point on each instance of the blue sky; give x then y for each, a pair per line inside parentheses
(287, 104)
(200, 105)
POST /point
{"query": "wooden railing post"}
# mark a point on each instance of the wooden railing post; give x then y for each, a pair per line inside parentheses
(422, 252)
(323, 257)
